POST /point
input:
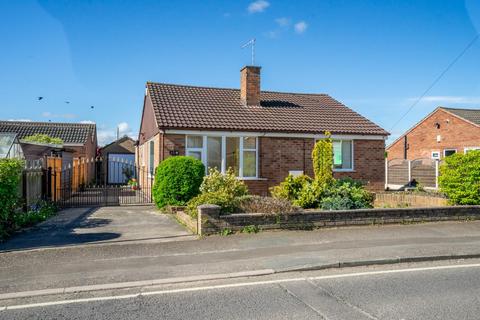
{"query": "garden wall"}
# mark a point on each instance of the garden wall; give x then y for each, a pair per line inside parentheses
(405, 199)
(212, 223)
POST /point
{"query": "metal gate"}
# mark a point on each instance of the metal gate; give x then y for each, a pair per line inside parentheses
(88, 182)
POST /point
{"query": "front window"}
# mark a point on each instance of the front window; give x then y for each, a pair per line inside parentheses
(224, 152)
(342, 155)
(449, 152)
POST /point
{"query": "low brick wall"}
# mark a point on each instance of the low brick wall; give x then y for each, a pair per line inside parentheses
(406, 199)
(213, 223)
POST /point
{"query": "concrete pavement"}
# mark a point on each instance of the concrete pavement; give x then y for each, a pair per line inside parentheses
(82, 226)
(416, 291)
(116, 263)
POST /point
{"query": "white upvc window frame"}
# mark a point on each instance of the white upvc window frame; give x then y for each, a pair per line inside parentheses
(223, 169)
(352, 143)
(466, 149)
(445, 151)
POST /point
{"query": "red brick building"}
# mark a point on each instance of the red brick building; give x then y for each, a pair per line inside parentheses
(262, 135)
(443, 132)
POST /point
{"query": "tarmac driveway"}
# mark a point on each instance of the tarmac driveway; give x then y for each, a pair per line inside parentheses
(80, 226)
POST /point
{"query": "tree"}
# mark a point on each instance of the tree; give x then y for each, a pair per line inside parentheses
(322, 156)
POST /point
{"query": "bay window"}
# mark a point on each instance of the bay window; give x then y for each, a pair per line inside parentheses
(224, 152)
(343, 155)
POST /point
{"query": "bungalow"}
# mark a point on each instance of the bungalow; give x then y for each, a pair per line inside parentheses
(79, 138)
(443, 132)
(262, 135)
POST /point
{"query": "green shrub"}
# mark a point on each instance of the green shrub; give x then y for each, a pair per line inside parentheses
(177, 180)
(215, 181)
(460, 178)
(10, 176)
(37, 213)
(290, 188)
(220, 189)
(346, 194)
(310, 195)
(268, 205)
(43, 138)
(322, 156)
(228, 203)
(338, 195)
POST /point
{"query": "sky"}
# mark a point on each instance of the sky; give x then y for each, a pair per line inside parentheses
(89, 60)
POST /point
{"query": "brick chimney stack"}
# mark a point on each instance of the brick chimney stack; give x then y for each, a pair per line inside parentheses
(250, 85)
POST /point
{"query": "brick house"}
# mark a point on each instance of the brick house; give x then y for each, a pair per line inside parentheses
(78, 138)
(262, 135)
(443, 132)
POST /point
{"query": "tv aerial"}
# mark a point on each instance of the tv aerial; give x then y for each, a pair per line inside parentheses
(251, 43)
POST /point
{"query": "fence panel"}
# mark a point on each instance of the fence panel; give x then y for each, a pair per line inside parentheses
(33, 182)
(398, 172)
(423, 172)
(403, 173)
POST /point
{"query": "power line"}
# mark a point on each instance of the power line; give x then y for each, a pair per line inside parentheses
(469, 45)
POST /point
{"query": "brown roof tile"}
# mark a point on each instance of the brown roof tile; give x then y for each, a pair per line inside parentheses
(189, 107)
(68, 132)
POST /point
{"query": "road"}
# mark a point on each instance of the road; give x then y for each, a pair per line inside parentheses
(422, 291)
(106, 263)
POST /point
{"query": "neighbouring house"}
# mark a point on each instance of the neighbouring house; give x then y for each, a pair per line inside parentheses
(119, 160)
(262, 135)
(79, 138)
(443, 132)
(72, 162)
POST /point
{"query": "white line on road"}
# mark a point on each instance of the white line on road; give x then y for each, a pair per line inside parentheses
(234, 285)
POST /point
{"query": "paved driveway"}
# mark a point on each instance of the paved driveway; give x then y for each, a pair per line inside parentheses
(80, 226)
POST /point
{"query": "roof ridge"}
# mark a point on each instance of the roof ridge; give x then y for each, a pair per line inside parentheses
(466, 109)
(233, 89)
(47, 123)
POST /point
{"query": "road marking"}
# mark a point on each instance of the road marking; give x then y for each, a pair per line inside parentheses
(233, 285)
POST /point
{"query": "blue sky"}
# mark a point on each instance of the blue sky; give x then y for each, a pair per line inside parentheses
(376, 56)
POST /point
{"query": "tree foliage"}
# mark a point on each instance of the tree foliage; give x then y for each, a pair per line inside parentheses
(460, 178)
(10, 175)
(177, 180)
(43, 138)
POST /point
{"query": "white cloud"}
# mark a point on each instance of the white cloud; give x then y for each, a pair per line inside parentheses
(23, 120)
(283, 22)
(271, 34)
(300, 27)
(258, 6)
(446, 100)
(50, 115)
(106, 135)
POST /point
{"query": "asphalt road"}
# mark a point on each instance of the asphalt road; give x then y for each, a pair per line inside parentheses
(425, 292)
(106, 263)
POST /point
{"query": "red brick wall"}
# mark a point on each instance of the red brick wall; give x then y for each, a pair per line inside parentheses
(422, 140)
(278, 156)
(148, 126)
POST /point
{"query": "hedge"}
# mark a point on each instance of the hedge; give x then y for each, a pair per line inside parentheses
(10, 177)
(177, 180)
(460, 178)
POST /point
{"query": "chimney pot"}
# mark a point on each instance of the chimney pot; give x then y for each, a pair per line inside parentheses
(250, 85)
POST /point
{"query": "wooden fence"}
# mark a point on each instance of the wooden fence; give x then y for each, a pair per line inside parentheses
(401, 173)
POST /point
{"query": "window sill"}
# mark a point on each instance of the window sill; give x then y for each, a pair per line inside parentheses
(253, 178)
(343, 170)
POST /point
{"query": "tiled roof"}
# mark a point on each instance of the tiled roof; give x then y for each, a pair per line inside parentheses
(472, 115)
(68, 132)
(188, 107)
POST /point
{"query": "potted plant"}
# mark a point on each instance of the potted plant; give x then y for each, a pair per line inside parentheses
(133, 183)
